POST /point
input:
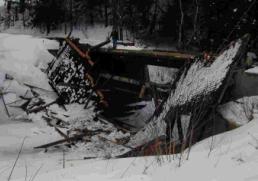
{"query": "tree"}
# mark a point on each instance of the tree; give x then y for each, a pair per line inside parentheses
(49, 13)
(201, 24)
(227, 20)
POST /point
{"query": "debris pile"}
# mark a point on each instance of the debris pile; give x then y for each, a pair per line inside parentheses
(79, 128)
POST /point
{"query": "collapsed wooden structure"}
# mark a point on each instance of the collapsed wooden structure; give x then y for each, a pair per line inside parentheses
(81, 73)
(112, 78)
(184, 115)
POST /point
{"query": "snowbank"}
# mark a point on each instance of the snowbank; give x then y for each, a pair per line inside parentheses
(229, 156)
(23, 57)
(240, 111)
(253, 71)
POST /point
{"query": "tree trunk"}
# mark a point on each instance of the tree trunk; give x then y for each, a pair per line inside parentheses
(154, 18)
(71, 15)
(121, 33)
(180, 33)
(48, 28)
(195, 25)
(114, 12)
(91, 17)
(106, 13)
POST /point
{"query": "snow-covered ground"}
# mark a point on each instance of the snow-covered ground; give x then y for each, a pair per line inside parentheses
(92, 35)
(239, 112)
(229, 156)
(23, 56)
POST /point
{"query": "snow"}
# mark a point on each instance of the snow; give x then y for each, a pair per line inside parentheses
(239, 111)
(253, 71)
(74, 119)
(92, 35)
(139, 117)
(22, 57)
(162, 75)
(228, 156)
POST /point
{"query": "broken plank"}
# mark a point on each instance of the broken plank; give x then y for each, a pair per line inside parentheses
(37, 109)
(120, 79)
(75, 138)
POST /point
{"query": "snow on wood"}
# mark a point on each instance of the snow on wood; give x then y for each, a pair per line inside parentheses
(162, 75)
(192, 94)
(68, 76)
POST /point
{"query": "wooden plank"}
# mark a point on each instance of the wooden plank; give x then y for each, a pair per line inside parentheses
(59, 142)
(177, 55)
(82, 54)
(40, 108)
(120, 79)
(142, 91)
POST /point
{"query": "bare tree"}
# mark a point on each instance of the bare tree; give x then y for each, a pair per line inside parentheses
(106, 13)
(195, 23)
(180, 34)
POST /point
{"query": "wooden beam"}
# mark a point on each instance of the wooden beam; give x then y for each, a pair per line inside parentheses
(150, 53)
(177, 55)
(80, 52)
(60, 141)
